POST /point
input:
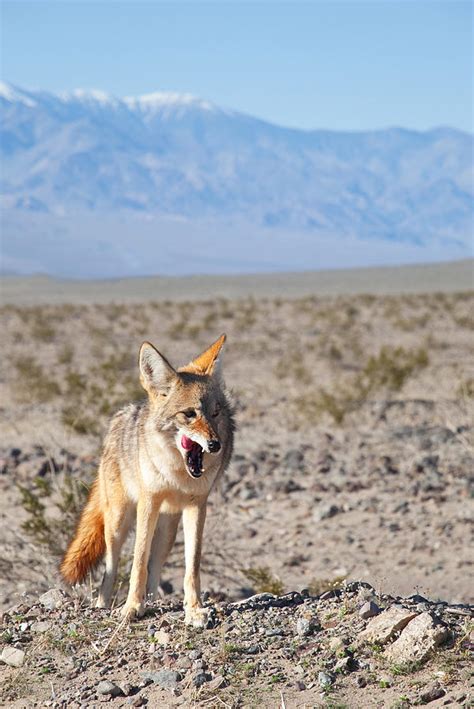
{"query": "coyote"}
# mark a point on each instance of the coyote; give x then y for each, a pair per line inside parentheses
(160, 460)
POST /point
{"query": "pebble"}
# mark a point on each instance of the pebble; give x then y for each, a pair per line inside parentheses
(127, 688)
(326, 512)
(110, 688)
(432, 692)
(304, 627)
(215, 683)
(273, 632)
(345, 664)
(12, 656)
(52, 599)
(336, 644)
(201, 678)
(41, 626)
(195, 655)
(369, 610)
(294, 458)
(325, 679)
(162, 637)
(184, 663)
(168, 679)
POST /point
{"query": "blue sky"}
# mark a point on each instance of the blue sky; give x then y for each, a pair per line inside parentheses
(338, 65)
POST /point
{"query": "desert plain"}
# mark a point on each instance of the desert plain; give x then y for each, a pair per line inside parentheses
(354, 462)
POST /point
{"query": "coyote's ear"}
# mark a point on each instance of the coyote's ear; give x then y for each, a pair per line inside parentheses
(156, 373)
(208, 361)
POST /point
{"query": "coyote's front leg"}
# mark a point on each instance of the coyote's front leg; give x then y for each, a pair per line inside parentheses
(193, 526)
(147, 516)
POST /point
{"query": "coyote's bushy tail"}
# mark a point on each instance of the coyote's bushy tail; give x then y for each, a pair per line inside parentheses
(88, 545)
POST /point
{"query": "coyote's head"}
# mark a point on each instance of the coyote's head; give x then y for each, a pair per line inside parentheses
(190, 401)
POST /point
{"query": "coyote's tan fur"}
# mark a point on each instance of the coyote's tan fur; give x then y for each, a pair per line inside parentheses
(160, 461)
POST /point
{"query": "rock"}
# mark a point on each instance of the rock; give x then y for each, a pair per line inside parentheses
(168, 679)
(41, 626)
(384, 626)
(195, 655)
(106, 687)
(432, 692)
(162, 637)
(325, 680)
(326, 512)
(201, 678)
(304, 627)
(12, 656)
(137, 701)
(418, 640)
(294, 458)
(361, 682)
(300, 686)
(274, 632)
(369, 610)
(127, 689)
(336, 644)
(215, 683)
(252, 650)
(151, 630)
(345, 664)
(52, 599)
(184, 663)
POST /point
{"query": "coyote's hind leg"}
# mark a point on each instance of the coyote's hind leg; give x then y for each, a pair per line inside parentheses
(117, 522)
(163, 540)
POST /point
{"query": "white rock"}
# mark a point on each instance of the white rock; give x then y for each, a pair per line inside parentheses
(417, 641)
(52, 599)
(12, 656)
(384, 626)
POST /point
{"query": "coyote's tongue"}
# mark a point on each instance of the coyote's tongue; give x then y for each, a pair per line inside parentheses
(193, 456)
(187, 443)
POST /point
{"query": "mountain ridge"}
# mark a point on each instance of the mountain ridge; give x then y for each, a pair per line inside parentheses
(167, 156)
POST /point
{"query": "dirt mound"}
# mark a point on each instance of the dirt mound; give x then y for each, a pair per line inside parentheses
(336, 649)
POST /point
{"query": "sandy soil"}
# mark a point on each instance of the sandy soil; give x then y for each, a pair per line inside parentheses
(354, 455)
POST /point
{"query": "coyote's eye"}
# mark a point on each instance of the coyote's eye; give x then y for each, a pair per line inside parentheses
(215, 413)
(190, 413)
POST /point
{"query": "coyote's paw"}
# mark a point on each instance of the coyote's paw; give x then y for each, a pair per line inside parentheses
(132, 610)
(197, 617)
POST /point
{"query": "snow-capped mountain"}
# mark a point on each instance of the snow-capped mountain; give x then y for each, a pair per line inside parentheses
(174, 168)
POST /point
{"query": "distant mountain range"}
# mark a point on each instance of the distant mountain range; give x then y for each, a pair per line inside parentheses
(93, 185)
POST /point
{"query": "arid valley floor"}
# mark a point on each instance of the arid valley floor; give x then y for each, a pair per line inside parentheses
(354, 461)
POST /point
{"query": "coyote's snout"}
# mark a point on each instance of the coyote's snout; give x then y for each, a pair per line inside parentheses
(160, 461)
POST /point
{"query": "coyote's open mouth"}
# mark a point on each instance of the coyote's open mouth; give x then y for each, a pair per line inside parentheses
(193, 456)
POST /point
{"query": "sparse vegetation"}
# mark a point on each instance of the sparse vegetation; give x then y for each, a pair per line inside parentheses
(32, 383)
(317, 587)
(51, 527)
(263, 581)
(387, 371)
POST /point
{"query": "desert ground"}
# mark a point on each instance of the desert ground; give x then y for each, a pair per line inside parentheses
(354, 462)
